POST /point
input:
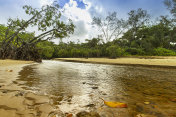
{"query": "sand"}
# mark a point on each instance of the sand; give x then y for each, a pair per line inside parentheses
(17, 102)
(135, 61)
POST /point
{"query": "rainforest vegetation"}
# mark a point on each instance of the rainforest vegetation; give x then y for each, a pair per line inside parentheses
(138, 35)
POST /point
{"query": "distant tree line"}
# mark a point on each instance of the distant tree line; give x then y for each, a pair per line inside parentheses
(134, 36)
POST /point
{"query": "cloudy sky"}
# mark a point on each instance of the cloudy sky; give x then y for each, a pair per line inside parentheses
(82, 11)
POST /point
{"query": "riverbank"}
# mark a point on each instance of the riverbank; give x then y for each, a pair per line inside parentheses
(14, 100)
(151, 61)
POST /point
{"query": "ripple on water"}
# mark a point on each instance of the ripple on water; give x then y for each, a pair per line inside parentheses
(72, 86)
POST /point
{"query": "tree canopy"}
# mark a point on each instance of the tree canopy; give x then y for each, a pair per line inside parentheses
(111, 26)
(48, 22)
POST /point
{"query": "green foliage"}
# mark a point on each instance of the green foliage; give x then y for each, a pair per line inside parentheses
(135, 51)
(47, 52)
(114, 51)
(46, 49)
(63, 53)
(93, 42)
(75, 52)
(137, 18)
(2, 32)
(163, 52)
(47, 19)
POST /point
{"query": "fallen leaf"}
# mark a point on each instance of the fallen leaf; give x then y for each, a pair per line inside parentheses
(146, 103)
(70, 115)
(173, 100)
(115, 104)
(9, 70)
(91, 95)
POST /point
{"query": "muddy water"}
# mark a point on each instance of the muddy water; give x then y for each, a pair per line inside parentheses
(74, 87)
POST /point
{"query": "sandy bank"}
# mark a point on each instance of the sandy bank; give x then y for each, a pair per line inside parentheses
(136, 61)
(9, 62)
(9, 70)
(15, 101)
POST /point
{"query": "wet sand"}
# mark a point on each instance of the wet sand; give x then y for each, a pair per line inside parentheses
(17, 102)
(152, 61)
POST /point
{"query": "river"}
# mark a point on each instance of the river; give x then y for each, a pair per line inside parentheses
(75, 87)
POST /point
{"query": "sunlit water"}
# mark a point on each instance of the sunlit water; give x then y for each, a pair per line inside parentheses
(74, 87)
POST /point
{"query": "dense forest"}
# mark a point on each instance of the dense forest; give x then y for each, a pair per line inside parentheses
(139, 35)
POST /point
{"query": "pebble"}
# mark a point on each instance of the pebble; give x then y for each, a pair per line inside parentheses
(94, 87)
(5, 91)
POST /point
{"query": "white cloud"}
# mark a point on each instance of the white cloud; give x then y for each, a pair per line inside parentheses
(75, 13)
(82, 18)
(88, 4)
(45, 2)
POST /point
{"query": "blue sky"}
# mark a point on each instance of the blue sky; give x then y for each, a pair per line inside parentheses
(82, 11)
(154, 7)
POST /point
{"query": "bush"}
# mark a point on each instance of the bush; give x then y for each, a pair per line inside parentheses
(114, 51)
(135, 51)
(75, 52)
(94, 53)
(163, 52)
(63, 53)
(47, 52)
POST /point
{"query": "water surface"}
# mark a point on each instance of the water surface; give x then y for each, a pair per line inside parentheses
(74, 87)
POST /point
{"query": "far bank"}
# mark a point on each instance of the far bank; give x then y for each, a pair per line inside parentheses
(150, 61)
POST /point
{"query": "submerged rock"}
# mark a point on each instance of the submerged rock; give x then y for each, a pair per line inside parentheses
(90, 105)
(149, 109)
(19, 94)
(87, 114)
(5, 91)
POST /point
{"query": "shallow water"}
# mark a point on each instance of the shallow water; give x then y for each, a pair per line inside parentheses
(74, 87)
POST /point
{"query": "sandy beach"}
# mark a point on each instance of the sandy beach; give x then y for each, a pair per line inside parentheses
(152, 61)
(15, 101)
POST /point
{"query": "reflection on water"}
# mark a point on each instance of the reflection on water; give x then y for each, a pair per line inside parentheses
(78, 86)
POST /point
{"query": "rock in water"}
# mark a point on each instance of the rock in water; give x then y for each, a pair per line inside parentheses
(87, 114)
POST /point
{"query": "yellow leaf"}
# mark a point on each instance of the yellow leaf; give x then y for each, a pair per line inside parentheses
(146, 103)
(9, 70)
(115, 104)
